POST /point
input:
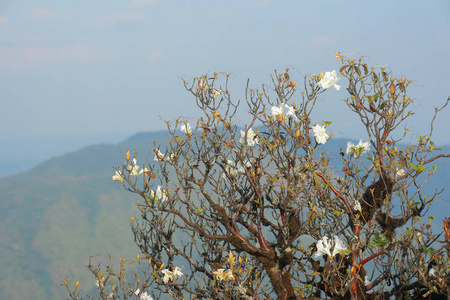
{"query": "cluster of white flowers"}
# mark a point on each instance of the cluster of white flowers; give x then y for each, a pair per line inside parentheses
(283, 111)
(159, 195)
(159, 156)
(222, 274)
(233, 169)
(144, 295)
(171, 275)
(324, 247)
(252, 138)
(320, 134)
(329, 79)
(133, 167)
(186, 129)
(360, 148)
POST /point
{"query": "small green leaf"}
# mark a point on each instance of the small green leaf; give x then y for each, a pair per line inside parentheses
(316, 178)
(417, 168)
(380, 240)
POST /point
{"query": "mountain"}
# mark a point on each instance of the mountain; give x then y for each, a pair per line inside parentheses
(16, 155)
(57, 215)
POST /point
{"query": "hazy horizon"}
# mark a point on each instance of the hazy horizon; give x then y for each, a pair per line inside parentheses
(74, 71)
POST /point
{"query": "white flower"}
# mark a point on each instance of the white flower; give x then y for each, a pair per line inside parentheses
(145, 171)
(232, 168)
(276, 111)
(177, 272)
(329, 79)
(168, 275)
(99, 283)
(365, 146)
(186, 129)
(160, 194)
(366, 281)
(133, 168)
(350, 146)
(320, 134)
(159, 156)
(252, 138)
(118, 176)
(357, 206)
(216, 92)
(230, 275)
(323, 247)
(241, 169)
(359, 149)
(219, 274)
(283, 111)
(432, 272)
(400, 172)
(339, 246)
(171, 275)
(144, 296)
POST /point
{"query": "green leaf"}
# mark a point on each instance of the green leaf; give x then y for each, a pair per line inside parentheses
(380, 240)
(432, 147)
(417, 168)
(316, 178)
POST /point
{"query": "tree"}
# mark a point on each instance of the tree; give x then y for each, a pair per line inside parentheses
(261, 213)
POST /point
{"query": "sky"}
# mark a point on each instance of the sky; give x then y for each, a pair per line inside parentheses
(103, 70)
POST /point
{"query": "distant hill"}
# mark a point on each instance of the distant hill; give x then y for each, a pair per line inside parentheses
(57, 215)
(64, 210)
(20, 154)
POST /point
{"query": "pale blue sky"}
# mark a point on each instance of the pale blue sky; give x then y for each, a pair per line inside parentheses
(97, 68)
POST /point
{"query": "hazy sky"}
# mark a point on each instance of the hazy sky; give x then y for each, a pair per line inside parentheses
(87, 68)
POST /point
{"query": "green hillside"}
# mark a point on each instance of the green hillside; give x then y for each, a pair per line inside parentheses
(56, 216)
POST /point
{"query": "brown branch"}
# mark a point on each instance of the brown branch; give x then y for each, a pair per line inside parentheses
(350, 210)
